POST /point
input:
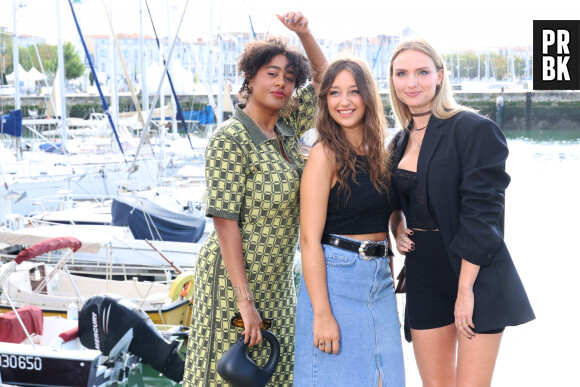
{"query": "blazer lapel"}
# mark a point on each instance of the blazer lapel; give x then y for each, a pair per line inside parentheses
(430, 141)
(400, 147)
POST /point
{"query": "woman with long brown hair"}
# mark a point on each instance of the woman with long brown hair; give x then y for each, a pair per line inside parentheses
(347, 330)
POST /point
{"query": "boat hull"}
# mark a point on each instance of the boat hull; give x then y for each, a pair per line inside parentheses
(23, 365)
(177, 313)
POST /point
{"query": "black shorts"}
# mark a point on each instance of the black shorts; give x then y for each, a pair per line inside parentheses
(431, 283)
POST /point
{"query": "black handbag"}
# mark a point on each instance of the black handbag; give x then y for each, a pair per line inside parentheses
(236, 367)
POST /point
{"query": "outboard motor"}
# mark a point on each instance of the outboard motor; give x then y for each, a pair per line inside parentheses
(111, 325)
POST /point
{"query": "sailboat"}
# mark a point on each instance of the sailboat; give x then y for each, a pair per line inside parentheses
(52, 288)
(29, 174)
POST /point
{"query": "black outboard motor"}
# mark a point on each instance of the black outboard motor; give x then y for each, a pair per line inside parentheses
(111, 325)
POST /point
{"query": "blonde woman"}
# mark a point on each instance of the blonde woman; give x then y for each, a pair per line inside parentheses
(462, 286)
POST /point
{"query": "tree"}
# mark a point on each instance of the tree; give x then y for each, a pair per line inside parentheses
(29, 58)
(468, 63)
(73, 65)
(499, 63)
(6, 43)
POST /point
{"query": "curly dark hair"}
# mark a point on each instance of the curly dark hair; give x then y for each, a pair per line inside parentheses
(259, 52)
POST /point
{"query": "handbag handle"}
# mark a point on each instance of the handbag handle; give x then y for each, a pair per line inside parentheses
(236, 367)
(272, 362)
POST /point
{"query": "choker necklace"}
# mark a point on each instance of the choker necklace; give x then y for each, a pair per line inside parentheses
(421, 114)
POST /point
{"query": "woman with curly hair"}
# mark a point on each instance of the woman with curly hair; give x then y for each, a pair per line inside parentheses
(253, 170)
(347, 327)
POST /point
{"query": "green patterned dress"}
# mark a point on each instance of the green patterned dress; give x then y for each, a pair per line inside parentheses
(249, 180)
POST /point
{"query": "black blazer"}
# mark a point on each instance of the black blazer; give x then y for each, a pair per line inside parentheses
(461, 173)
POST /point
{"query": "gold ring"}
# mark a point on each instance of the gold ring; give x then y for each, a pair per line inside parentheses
(458, 324)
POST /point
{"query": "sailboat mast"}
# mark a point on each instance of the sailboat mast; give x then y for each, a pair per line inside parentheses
(15, 66)
(16, 59)
(220, 74)
(145, 94)
(173, 96)
(113, 73)
(60, 53)
(210, 61)
(156, 97)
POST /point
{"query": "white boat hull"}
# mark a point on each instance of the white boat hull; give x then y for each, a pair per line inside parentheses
(70, 365)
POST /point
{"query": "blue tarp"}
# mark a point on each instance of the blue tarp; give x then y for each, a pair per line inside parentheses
(52, 147)
(204, 116)
(147, 220)
(11, 123)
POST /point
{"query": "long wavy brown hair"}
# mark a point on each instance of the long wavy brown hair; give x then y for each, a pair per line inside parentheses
(332, 135)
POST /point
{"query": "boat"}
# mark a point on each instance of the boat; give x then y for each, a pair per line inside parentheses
(108, 338)
(92, 156)
(107, 248)
(54, 289)
(38, 350)
(55, 357)
(147, 230)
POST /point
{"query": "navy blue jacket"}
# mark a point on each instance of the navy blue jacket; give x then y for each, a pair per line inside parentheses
(461, 173)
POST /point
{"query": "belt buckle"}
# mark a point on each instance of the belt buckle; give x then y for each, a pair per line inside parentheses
(361, 250)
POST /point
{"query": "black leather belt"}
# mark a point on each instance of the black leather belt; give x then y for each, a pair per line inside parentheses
(368, 249)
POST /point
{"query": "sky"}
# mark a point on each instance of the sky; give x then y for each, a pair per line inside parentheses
(448, 24)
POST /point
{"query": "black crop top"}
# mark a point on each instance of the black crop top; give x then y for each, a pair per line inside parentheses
(366, 210)
(418, 215)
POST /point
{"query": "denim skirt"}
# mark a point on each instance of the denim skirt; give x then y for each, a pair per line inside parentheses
(363, 303)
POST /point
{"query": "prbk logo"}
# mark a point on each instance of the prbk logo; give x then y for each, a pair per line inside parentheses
(556, 55)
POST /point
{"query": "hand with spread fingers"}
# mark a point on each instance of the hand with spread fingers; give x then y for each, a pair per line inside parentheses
(464, 313)
(294, 21)
(404, 243)
(326, 334)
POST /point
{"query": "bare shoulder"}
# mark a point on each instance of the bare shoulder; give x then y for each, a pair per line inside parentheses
(320, 154)
(320, 160)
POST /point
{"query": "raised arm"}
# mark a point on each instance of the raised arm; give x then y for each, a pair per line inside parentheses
(314, 191)
(298, 23)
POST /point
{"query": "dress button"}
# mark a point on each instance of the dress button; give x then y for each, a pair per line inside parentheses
(489, 255)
